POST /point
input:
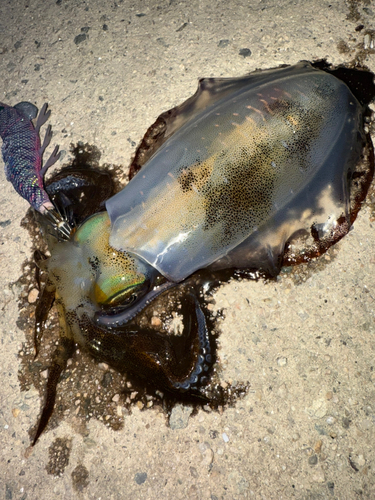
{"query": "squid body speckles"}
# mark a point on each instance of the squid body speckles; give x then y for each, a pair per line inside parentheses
(244, 165)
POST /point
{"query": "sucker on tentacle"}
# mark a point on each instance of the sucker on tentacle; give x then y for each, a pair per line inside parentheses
(22, 154)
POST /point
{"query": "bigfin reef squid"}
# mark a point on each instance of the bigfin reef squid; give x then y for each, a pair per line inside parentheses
(231, 179)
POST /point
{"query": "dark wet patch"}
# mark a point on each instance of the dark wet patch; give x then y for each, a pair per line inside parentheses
(343, 47)
(80, 478)
(354, 9)
(83, 374)
(87, 388)
(59, 454)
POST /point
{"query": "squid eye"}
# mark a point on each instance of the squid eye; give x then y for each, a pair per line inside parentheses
(114, 295)
(130, 300)
(120, 298)
(119, 305)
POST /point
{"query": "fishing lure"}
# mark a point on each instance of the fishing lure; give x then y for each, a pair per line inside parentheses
(22, 154)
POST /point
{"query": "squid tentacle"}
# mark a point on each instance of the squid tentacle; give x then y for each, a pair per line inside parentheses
(60, 358)
(175, 363)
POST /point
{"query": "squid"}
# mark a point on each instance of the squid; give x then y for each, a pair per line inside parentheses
(250, 173)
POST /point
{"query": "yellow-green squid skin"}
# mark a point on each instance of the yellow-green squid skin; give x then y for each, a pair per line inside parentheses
(115, 274)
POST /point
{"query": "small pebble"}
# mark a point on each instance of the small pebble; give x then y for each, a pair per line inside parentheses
(155, 321)
(321, 430)
(223, 43)
(331, 420)
(80, 38)
(282, 361)
(366, 424)
(225, 437)
(318, 409)
(140, 477)
(106, 380)
(368, 42)
(179, 417)
(361, 460)
(330, 486)
(33, 296)
(208, 457)
(193, 472)
(318, 476)
(318, 446)
(346, 422)
(245, 52)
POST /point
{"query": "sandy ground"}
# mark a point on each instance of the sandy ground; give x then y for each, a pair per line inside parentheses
(306, 343)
